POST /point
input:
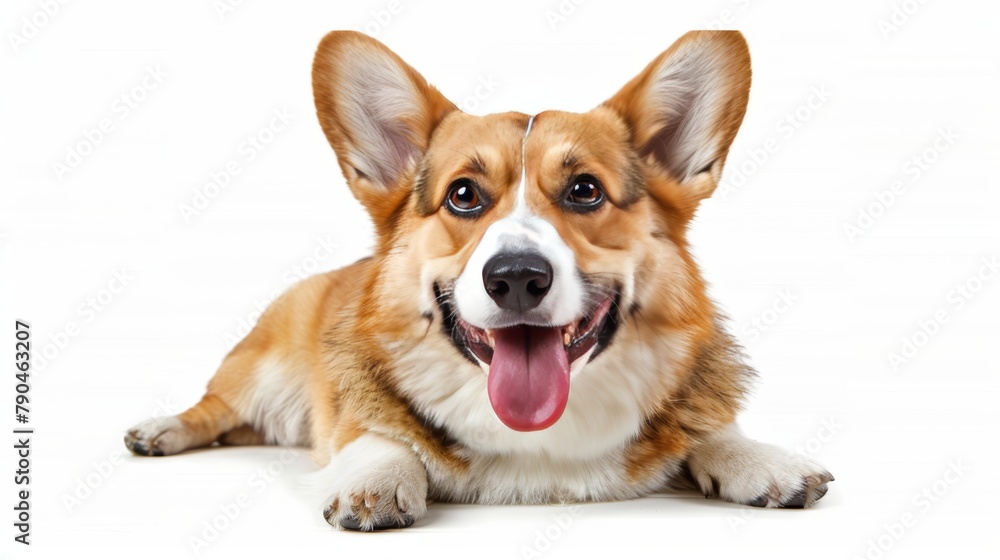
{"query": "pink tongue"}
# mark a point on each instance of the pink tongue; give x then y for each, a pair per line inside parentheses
(529, 377)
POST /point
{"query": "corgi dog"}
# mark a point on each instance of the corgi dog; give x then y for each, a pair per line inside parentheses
(531, 328)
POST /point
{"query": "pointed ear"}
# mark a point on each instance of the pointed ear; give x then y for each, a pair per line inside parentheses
(684, 109)
(378, 113)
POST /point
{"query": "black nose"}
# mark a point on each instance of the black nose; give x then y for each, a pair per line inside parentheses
(517, 281)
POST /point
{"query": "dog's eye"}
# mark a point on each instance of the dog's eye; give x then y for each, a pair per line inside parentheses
(584, 194)
(463, 199)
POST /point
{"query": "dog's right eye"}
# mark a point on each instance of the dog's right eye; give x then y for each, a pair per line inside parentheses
(463, 199)
(584, 194)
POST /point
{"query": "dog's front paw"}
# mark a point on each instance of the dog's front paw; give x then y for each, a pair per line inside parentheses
(756, 474)
(377, 505)
(380, 485)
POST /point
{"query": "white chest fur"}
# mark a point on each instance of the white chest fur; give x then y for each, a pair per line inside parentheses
(579, 458)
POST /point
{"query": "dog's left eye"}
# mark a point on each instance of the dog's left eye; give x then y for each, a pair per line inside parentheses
(463, 199)
(585, 194)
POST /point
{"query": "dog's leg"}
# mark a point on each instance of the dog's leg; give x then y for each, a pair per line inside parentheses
(223, 408)
(377, 483)
(256, 397)
(198, 426)
(730, 466)
(242, 435)
(260, 392)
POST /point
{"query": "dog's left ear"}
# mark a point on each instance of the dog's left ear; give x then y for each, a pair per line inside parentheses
(378, 113)
(684, 109)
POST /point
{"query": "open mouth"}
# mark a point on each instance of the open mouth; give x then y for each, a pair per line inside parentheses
(529, 365)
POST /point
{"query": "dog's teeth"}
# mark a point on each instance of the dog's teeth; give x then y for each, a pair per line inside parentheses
(568, 334)
(489, 338)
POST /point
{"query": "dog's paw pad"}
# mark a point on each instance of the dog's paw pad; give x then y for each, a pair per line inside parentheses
(139, 447)
(812, 488)
(354, 523)
(760, 501)
(366, 511)
(370, 510)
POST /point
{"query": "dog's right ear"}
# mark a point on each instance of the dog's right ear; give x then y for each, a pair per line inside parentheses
(684, 109)
(378, 113)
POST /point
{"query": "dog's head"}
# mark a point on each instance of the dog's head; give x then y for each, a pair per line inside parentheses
(534, 239)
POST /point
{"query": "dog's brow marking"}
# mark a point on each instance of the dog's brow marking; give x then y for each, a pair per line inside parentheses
(521, 204)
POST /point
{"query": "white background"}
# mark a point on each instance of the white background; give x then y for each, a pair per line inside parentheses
(827, 385)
